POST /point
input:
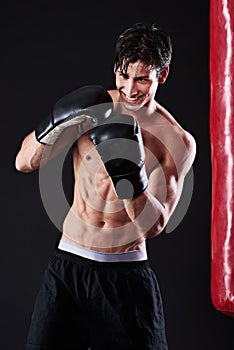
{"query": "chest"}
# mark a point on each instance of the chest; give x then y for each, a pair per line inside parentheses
(86, 157)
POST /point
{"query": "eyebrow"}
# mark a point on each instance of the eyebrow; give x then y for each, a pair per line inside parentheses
(142, 77)
(137, 77)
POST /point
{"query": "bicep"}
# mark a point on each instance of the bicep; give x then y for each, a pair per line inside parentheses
(167, 180)
(166, 184)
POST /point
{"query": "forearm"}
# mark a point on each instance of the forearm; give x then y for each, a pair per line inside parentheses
(34, 155)
(30, 154)
(147, 214)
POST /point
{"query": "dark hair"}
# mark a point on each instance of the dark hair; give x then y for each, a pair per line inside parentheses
(148, 44)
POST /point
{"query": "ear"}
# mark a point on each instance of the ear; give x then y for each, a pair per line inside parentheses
(163, 75)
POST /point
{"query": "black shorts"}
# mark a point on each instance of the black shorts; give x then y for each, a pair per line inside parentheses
(86, 304)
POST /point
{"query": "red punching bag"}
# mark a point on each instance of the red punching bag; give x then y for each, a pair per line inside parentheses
(222, 154)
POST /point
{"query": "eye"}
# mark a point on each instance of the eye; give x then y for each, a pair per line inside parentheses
(142, 79)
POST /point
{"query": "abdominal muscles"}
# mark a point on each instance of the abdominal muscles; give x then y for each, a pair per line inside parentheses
(97, 219)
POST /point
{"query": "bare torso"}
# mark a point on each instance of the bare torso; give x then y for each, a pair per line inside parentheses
(97, 219)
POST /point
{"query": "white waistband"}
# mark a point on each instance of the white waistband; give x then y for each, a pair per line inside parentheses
(135, 255)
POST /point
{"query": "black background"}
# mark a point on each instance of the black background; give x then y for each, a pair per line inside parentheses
(49, 48)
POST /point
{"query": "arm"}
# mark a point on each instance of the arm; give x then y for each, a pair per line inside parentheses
(30, 154)
(33, 154)
(72, 115)
(149, 203)
(159, 200)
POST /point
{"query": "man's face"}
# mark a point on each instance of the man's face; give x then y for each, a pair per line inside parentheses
(137, 86)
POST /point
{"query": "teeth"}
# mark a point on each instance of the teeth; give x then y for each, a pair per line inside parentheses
(131, 99)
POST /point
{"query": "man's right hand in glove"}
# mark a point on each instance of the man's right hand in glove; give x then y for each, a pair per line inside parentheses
(83, 108)
(73, 115)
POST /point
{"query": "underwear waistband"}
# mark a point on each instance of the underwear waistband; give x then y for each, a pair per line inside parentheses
(135, 255)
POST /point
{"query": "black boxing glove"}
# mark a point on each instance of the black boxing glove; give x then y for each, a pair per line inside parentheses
(120, 146)
(77, 108)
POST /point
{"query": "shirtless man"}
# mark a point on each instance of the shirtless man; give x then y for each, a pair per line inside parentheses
(130, 159)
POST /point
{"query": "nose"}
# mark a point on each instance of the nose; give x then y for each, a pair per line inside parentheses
(130, 88)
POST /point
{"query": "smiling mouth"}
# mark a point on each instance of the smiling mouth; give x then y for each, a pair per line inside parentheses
(131, 100)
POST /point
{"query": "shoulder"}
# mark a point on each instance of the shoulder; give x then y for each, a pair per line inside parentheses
(180, 142)
(175, 126)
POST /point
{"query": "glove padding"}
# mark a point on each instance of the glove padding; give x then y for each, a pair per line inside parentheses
(120, 146)
(84, 108)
